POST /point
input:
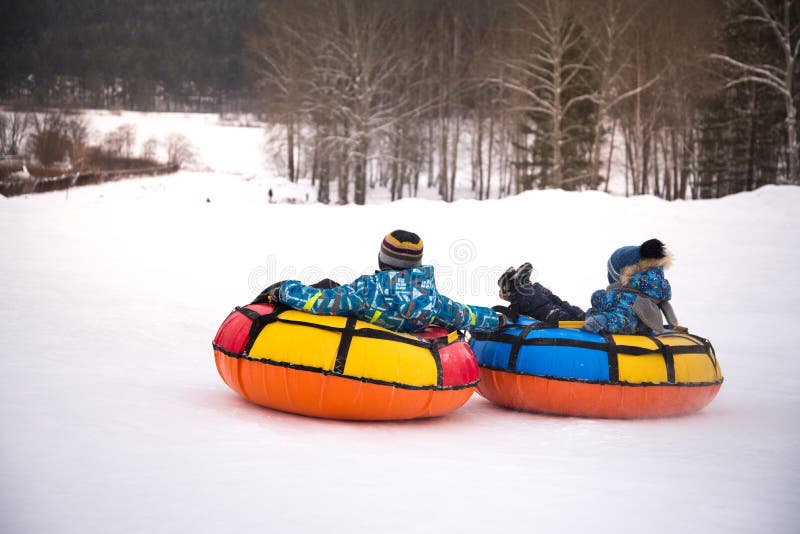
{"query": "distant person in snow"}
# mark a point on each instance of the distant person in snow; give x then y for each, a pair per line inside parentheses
(632, 304)
(269, 194)
(401, 296)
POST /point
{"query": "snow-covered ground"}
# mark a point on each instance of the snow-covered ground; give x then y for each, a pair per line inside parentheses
(114, 418)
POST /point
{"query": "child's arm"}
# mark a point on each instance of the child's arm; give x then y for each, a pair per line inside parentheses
(669, 314)
(649, 313)
(453, 315)
(609, 322)
(342, 300)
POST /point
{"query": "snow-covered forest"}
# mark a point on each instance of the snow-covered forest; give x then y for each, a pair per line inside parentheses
(684, 99)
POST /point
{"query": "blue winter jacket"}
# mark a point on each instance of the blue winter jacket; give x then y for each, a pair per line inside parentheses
(616, 304)
(403, 301)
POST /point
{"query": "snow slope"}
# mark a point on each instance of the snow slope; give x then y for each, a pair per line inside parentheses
(115, 420)
(241, 145)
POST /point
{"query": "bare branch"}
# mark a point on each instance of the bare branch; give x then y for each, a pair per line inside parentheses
(633, 92)
(763, 71)
(756, 79)
(775, 25)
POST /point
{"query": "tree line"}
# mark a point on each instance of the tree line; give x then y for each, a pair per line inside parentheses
(689, 98)
(181, 55)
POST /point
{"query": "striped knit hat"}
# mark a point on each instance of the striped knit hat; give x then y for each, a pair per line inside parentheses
(400, 250)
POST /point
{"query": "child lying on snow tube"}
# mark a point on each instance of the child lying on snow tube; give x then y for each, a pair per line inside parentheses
(632, 304)
(401, 296)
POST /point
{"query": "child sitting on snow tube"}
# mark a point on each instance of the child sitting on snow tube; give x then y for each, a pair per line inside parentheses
(633, 302)
(402, 296)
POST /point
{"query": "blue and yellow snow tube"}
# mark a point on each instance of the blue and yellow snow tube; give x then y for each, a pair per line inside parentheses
(563, 370)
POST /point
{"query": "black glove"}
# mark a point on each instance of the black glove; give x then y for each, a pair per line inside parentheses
(269, 295)
(327, 283)
(508, 314)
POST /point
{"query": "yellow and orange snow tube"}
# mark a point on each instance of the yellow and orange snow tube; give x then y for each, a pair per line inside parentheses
(342, 368)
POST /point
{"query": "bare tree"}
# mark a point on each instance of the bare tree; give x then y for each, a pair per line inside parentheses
(120, 141)
(56, 137)
(779, 19)
(14, 127)
(607, 26)
(550, 66)
(280, 50)
(180, 150)
(351, 82)
(149, 148)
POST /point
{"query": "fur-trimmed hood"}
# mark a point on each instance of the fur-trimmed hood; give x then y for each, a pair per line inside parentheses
(627, 261)
(642, 265)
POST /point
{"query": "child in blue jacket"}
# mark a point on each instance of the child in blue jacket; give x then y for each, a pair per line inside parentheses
(639, 293)
(402, 296)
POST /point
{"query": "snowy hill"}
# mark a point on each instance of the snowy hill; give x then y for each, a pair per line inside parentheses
(245, 147)
(114, 417)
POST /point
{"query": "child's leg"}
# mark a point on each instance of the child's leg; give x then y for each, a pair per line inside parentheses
(569, 312)
(538, 302)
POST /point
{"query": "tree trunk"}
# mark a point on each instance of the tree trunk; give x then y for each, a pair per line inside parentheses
(644, 179)
(688, 150)
(557, 178)
(611, 155)
(342, 180)
(430, 144)
(443, 157)
(656, 181)
(793, 161)
(630, 163)
(290, 149)
(751, 148)
(360, 171)
(323, 175)
(489, 153)
(477, 163)
(594, 169)
(454, 165)
(341, 165)
(665, 153)
(678, 145)
(394, 184)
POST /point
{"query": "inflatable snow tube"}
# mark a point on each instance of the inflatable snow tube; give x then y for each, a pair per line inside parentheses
(342, 368)
(566, 371)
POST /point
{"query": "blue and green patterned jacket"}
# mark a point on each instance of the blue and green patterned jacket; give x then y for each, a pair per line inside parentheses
(616, 302)
(403, 301)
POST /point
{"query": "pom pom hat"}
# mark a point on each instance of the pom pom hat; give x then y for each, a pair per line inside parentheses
(400, 250)
(627, 261)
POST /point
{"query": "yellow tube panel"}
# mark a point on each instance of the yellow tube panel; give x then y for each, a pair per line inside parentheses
(391, 362)
(298, 345)
(635, 341)
(377, 359)
(678, 340)
(324, 320)
(642, 369)
(694, 368)
(689, 368)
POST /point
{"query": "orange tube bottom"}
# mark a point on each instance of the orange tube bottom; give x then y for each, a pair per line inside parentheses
(330, 396)
(563, 397)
